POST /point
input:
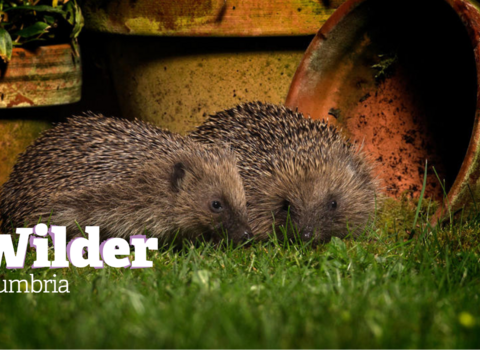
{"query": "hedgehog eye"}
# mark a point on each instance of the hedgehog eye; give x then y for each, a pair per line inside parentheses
(333, 205)
(286, 205)
(216, 206)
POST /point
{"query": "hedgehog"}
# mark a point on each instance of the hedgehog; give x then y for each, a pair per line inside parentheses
(128, 177)
(299, 173)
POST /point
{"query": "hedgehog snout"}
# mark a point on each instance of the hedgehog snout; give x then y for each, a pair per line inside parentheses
(307, 233)
(240, 232)
(247, 235)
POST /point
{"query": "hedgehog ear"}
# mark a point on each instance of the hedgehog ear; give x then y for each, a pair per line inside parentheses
(177, 176)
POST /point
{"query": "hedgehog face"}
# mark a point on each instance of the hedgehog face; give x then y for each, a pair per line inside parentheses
(211, 200)
(317, 203)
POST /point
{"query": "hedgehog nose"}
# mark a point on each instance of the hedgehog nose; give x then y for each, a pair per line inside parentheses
(307, 233)
(247, 235)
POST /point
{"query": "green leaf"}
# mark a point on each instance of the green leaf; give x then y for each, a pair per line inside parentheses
(49, 19)
(69, 14)
(74, 16)
(78, 22)
(38, 8)
(5, 46)
(28, 41)
(35, 29)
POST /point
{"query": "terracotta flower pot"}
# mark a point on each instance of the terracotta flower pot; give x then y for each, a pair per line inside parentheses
(403, 78)
(199, 57)
(44, 76)
(208, 17)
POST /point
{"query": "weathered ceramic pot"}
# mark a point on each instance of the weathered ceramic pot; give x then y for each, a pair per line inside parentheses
(44, 76)
(403, 79)
(177, 82)
(208, 17)
(203, 56)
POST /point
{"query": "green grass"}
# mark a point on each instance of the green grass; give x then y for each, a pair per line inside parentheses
(379, 291)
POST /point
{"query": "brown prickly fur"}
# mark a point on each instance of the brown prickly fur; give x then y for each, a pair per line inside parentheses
(126, 177)
(298, 165)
